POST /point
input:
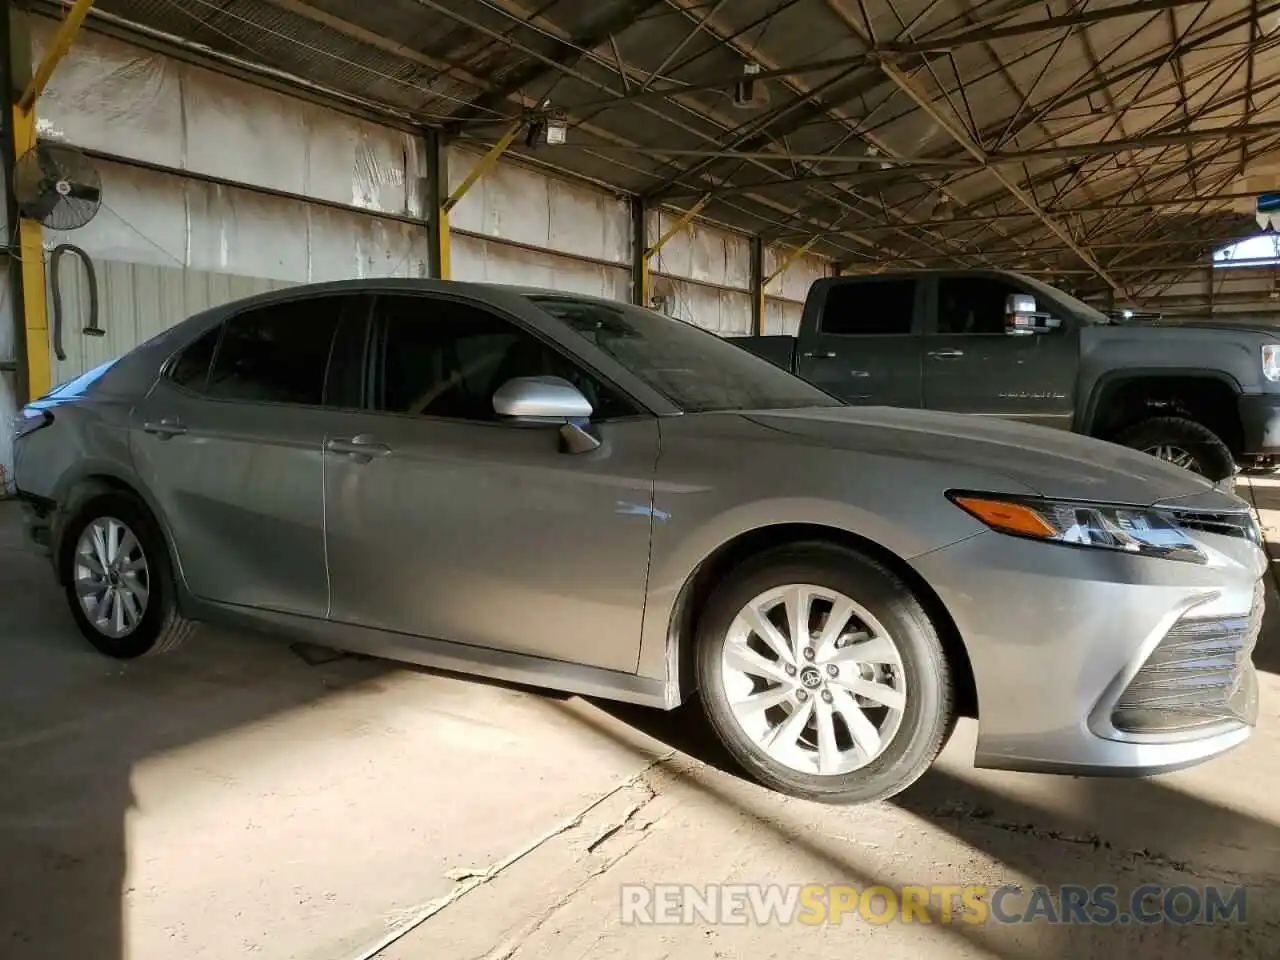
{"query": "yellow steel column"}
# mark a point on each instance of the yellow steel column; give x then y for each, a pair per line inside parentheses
(681, 222)
(30, 235)
(483, 166)
(31, 263)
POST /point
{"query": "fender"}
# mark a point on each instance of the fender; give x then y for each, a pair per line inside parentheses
(1087, 415)
(90, 478)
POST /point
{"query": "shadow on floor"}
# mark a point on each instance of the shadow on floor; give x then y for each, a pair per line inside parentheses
(75, 725)
(1124, 833)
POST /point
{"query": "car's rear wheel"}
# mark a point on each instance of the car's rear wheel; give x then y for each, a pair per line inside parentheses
(823, 675)
(118, 579)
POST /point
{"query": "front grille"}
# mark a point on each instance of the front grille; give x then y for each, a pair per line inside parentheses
(1242, 525)
(1198, 675)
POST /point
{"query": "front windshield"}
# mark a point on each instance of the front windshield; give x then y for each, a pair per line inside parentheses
(694, 369)
(1061, 298)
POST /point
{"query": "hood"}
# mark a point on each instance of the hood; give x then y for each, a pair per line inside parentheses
(1054, 463)
(1163, 327)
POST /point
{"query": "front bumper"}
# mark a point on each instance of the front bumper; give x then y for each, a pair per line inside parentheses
(1057, 635)
(1260, 418)
(37, 523)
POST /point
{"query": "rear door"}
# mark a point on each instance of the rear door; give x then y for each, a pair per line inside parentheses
(972, 365)
(866, 346)
(230, 442)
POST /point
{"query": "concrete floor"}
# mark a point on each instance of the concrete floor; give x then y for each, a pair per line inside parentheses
(231, 800)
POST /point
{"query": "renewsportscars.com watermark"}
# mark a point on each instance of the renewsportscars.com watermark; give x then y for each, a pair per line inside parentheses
(763, 904)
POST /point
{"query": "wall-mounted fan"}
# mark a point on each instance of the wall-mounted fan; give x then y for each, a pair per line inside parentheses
(58, 186)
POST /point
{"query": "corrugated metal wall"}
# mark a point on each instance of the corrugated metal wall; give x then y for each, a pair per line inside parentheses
(1222, 294)
(167, 243)
(784, 296)
(1229, 294)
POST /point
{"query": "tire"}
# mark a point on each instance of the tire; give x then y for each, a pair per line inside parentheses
(1208, 455)
(160, 627)
(925, 719)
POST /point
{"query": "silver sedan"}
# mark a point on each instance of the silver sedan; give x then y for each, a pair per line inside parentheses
(571, 492)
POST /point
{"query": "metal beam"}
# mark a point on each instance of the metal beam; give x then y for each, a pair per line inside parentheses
(15, 50)
(58, 47)
(757, 286)
(649, 252)
(639, 261)
(441, 218)
(985, 34)
(905, 84)
(23, 137)
(597, 29)
(904, 166)
(791, 258)
(438, 237)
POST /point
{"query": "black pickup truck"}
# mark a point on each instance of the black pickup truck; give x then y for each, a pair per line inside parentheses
(995, 343)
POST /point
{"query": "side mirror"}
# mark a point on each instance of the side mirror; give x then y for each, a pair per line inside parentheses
(549, 400)
(544, 399)
(1022, 317)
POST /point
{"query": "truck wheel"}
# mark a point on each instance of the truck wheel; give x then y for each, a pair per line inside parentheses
(823, 675)
(118, 579)
(1183, 443)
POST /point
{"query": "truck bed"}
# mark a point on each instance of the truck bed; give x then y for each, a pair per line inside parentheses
(778, 350)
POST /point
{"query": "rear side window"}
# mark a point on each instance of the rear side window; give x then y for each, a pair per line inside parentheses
(869, 308)
(191, 370)
(278, 353)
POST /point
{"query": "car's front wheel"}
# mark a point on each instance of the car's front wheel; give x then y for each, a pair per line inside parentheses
(118, 579)
(823, 675)
(1184, 443)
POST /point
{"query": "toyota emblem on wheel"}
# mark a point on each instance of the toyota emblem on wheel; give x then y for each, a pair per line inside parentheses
(811, 678)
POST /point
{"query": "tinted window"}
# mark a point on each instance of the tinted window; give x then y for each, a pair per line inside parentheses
(348, 360)
(191, 370)
(446, 359)
(277, 354)
(876, 307)
(694, 369)
(972, 304)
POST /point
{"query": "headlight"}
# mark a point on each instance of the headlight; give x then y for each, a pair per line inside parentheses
(1137, 530)
(1271, 361)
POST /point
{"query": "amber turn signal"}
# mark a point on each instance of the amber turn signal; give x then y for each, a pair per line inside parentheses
(1007, 516)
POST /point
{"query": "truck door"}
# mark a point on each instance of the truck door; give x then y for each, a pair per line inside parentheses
(861, 340)
(972, 365)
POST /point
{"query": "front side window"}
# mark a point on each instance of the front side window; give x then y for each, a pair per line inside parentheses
(278, 353)
(869, 308)
(444, 358)
(973, 305)
(693, 368)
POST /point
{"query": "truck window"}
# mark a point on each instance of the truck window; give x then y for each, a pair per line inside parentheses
(869, 308)
(973, 304)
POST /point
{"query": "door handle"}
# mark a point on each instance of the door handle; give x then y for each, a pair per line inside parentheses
(946, 354)
(362, 447)
(165, 427)
(821, 354)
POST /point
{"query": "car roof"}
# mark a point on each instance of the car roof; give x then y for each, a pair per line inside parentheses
(424, 285)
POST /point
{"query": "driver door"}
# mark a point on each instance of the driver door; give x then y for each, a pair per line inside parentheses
(972, 365)
(445, 522)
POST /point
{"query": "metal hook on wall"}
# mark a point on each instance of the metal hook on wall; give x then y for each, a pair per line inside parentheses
(91, 329)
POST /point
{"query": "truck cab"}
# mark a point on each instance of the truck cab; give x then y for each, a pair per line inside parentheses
(997, 343)
(943, 341)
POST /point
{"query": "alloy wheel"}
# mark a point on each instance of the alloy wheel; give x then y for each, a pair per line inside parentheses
(813, 679)
(112, 577)
(1174, 454)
